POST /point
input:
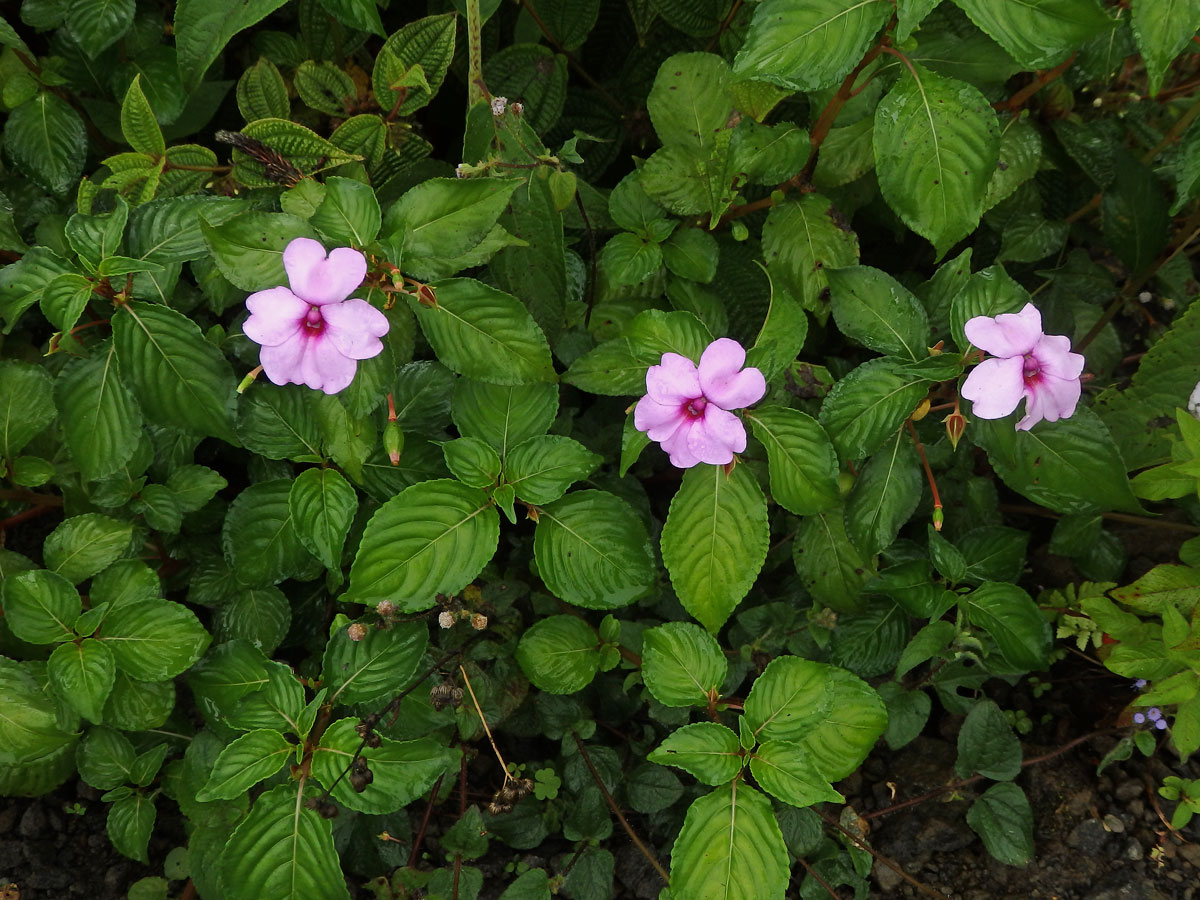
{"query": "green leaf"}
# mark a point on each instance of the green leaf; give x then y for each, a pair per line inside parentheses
(262, 93)
(445, 217)
(783, 770)
(691, 253)
(277, 421)
(884, 495)
(592, 550)
(362, 15)
(618, 367)
(682, 664)
(322, 506)
(834, 715)
(324, 87)
(154, 640)
(730, 847)
(987, 744)
(908, 712)
(168, 230)
(690, 102)
(349, 215)
(801, 460)
(1002, 816)
(808, 46)
(245, 762)
(47, 141)
(1070, 466)
(559, 654)
(428, 43)
(138, 124)
(305, 150)
(995, 553)
(65, 298)
(105, 758)
(707, 750)
(715, 541)
(1014, 621)
(129, 825)
(909, 15)
(40, 606)
(204, 27)
(629, 259)
(541, 468)
(989, 292)
(831, 568)
(781, 337)
(179, 378)
(84, 545)
(1134, 214)
(25, 405)
(402, 770)
(874, 309)
(472, 461)
(1020, 158)
(29, 730)
(379, 664)
(1041, 33)
(485, 334)
(259, 536)
(83, 674)
(936, 145)
(432, 538)
(248, 249)
(868, 405)
(534, 73)
(282, 850)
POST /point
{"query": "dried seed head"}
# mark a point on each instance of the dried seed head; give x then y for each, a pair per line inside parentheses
(386, 609)
(357, 631)
(478, 621)
(522, 787)
(446, 618)
(445, 694)
(498, 105)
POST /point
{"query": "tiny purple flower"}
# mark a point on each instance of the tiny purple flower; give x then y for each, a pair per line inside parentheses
(1027, 364)
(687, 407)
(1154, 714)
(1139, 718)
(1161, 724)
(1140, 684)
(310, 333)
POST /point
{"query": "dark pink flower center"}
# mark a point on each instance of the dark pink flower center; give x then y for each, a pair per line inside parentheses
(314, 323)
(695, 408)
(1033, 369)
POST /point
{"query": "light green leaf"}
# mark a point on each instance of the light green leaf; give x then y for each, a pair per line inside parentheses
(559, 654)
(783, 769)
(431, 538)
(40, 606)
(707, 750)
(445, 217)
(138, 124)
(428, 43)
(246, 761)
(83, 674)
(781, 337)
(691, 253)
(871, 307)
(801, 460)
(682, 664)
(154, 640)
(690, 101)
(248, 249)
(322, 506)
(349, 215)
(84, 545)
(715, 540)
(592, 550)
(868, 404)
(541, 468)
(884, 495)
(1038, 33)
(29, 730)
(730, 848)
(1014, 621)
(503, 415)
(936, 145)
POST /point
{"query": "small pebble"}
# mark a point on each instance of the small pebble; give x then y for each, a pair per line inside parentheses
(1128, 790)
(1113, 824)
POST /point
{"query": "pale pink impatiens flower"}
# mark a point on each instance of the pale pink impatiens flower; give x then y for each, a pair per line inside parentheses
(686, 408)
(310, 333)
(1039, 367)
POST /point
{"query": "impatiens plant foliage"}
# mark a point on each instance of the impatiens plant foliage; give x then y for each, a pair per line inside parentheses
(445, 430)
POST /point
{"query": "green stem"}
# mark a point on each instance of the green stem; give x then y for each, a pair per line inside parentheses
(475, 90)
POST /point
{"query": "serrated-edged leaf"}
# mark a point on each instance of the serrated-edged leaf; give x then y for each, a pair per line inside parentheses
(446, 217)
(936, 145)
(472, 461)
(47, 141)
(64, 300)
(884, 495)
(808, 46)
(987, 744)
(381, 663)
(262, 93)
(874, 309)
(1014, 622)
(84, 545)
(129, 825)
(1071, 466)
(349, 214)
(154, 640)
(909, 15)
(40, 606)
(559, 654)
(168, 230)
(781, 337)
(707, 750)
(322, 506)
(682, 664)
(592, 550)
(431, 538)
(276, 421)
(690, 101)
(541, 468)
(248, 249)
(801, 460)
(831, 567)
(1134, 214)
(1003, 818)
(402, 770)
(1038, 33)
(179, 378)
(618, 366)
(868, 404)
(306, 151)
(428, 43)
(105, 758)
(245, 762)
(1020, 157)
(783, 770)
(989, 292)
(22, 282)
(259, 535)
(502, 415)
(715, 540)
(260, 615)
(324, 87)
(26, 405)
(29, 730)
(535, 74)
(283, 850)
(730, 847)
(138, 124)
(204, 27)
(834, 715)
(360, 14)
(485, 334)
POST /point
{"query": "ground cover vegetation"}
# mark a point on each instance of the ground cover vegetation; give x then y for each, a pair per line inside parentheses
(446, 438)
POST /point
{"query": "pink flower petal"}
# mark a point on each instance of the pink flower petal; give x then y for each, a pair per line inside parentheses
(1054, 357)
(676, 446)
(673, 381)
(724, 381)
(995, 387)
(658, 420)
(325, 368)
(716, 436)
(1008, 334)
(1052, 398)
(355, 327)
(281, 362)
(320, 279)
(275, 316)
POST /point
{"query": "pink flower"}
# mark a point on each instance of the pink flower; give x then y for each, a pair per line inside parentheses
(686, 409)
(310, 333)
(1039, 367)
